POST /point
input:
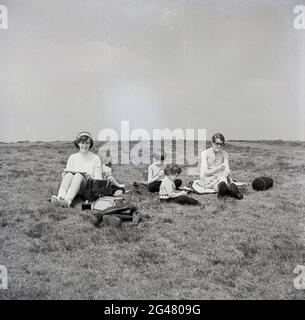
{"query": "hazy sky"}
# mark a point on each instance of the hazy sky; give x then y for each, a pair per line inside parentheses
(232, 66)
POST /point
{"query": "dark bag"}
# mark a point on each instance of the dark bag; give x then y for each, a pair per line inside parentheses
(97, 188)
(262, 183)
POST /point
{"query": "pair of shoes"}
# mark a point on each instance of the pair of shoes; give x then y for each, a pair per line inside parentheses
(235, 192)
(111, 221)
(97, 218)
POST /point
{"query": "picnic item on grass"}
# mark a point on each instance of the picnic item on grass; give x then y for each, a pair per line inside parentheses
(262, 183)
(200, 188)
(114, 209)
(97, 188)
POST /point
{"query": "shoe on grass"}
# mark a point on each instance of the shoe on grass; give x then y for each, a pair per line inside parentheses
(97, 218)
(235, 192)
(222, 189)
(111, 221)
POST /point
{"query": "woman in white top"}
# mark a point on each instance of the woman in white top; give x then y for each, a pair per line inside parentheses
(215, 171)
(80, 167)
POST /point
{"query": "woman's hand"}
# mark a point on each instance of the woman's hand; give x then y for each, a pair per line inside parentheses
(222, 167)
(227, 172)
(122, 186)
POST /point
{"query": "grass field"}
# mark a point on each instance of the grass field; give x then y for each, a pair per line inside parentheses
(223, 249)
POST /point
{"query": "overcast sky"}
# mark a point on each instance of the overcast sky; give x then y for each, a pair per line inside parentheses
(225, 65)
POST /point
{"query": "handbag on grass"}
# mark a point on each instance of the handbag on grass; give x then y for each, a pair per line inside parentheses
(97, 188)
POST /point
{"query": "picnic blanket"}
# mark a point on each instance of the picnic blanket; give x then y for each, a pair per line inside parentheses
(199, 187)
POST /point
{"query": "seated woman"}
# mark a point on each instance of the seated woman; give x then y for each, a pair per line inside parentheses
(168, 190)
(215, 170)
(81, 166)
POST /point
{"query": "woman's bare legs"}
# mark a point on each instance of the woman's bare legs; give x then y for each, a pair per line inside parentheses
(65, 185)
(63, 189)
(69, 188)
(74, 188)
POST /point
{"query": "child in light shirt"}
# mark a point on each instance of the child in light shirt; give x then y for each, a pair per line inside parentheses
(168, 190)
(156, 173)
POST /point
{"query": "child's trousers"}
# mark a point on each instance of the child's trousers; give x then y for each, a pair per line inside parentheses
(183, 199)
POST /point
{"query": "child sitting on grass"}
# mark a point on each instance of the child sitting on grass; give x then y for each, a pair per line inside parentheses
(156, 174)
(168, 190)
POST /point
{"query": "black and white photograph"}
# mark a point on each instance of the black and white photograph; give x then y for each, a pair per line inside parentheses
(152, 150)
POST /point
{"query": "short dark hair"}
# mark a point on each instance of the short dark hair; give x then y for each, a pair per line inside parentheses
(218, 136)
(163, 155)
(83, 138)
(172, 169)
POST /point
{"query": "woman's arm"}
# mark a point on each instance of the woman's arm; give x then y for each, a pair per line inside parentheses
(205, 172)
(69, 166)
(227, 168)
(226, 163)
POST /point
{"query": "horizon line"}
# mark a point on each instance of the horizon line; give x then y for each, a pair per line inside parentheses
(151, 140)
